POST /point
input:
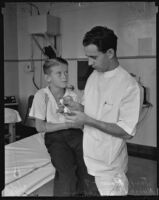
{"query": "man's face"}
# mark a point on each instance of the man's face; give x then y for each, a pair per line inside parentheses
(99, 60)
(58, 76)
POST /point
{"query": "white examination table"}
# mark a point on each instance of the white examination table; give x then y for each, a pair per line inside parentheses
(27, 166)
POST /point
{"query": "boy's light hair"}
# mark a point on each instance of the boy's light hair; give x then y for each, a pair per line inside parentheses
(53, 62)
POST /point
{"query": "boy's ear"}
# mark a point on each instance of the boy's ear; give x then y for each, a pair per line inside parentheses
(47, 77)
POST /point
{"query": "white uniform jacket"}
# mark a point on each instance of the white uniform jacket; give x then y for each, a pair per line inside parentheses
(113, 97)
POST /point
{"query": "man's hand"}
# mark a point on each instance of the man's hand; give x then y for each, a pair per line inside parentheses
(73, 105)
(77, 117)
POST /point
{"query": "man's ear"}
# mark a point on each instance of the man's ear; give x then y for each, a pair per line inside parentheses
(110, 53)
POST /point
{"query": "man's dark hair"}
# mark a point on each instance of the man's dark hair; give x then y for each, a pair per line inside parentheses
(53, 62)
(103, 37)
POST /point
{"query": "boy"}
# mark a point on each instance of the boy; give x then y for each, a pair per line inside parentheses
(62, 139)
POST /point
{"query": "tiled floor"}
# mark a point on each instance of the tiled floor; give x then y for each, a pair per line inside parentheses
(142, 175)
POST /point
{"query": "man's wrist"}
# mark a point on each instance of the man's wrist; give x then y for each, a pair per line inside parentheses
(87, 120)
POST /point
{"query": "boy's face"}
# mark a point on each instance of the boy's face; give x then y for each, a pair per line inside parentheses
(58, 76)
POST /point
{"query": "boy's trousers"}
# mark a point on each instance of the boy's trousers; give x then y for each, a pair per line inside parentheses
(65, 149)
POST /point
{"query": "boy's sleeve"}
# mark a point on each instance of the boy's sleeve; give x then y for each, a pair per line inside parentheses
(38, 109)
(129, 110)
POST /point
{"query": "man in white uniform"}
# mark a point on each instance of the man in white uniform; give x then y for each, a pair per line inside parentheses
(110, 113)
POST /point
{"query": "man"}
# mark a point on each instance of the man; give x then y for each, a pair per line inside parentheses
(110, 113)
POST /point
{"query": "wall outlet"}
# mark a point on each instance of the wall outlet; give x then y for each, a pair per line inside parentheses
(28, 68)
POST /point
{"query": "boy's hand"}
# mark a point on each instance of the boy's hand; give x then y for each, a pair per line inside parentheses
(70, 103)
(60, 108)
(67, 100)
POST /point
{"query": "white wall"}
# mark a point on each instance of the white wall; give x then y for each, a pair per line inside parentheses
(146, 69)
(77, 22)
(129, 24)
(137, 23)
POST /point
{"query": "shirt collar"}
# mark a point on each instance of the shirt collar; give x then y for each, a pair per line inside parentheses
(49, 92)
(111, 73)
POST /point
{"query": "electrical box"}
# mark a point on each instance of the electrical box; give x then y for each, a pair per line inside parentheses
(44, 24)
(28, 68)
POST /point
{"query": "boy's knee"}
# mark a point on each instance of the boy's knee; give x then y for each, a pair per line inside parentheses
(67, 171)
(65, 175)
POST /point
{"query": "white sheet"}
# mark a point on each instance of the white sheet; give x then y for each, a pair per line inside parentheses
(23, 159)
(30, 182)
